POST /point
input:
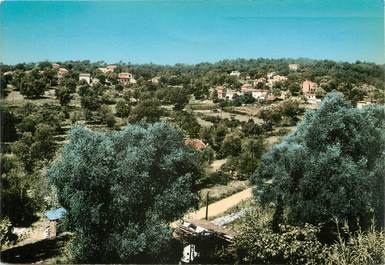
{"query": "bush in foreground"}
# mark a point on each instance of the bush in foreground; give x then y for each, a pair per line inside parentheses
(360, 247)
(257, 243)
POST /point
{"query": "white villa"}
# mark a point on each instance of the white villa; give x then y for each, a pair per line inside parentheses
(312, 99)
(361, 104)
(86, 77)
(126, 78)
(293, 66)
(260, 94)
(235, 73)
(231, 93)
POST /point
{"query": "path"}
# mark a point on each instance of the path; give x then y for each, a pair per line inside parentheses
(218, 207)
(216, 164)
(35, 232)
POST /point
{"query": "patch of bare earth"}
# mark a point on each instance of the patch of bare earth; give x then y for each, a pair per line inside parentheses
(14, 96)
(34, 233)
(216, 164)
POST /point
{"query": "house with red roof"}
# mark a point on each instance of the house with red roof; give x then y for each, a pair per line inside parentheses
(197, 144)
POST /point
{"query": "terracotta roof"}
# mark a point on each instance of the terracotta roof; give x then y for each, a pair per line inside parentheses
(124, 76)
(195, 143)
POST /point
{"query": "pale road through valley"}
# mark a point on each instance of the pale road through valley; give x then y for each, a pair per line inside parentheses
(218, 207)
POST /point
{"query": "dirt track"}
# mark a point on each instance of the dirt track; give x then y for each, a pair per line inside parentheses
(221, 206)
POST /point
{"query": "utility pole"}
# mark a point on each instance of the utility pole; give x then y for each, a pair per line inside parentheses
(207, 205)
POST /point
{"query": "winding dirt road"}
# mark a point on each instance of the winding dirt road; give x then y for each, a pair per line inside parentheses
(221, 206)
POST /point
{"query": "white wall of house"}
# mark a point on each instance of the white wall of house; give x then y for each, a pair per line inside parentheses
(230, 94)
(259, 94)
(361, 104)
(311, 98)
(87, 78)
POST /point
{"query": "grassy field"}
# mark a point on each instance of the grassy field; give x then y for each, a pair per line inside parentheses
(226, 115)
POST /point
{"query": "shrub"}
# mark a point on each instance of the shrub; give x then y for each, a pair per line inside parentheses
(76, 116)
(360, 247)
(257, 243)
(105, 116)
(5, 233)
(33, 85)
(122, 108)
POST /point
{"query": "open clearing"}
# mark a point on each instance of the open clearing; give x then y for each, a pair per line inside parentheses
(227, 115)
(216, 165)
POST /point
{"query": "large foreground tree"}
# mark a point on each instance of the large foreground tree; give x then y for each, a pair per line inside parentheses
(123, 189)
(331, 166)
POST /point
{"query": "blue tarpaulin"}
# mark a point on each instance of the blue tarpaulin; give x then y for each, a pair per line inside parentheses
(56, 213)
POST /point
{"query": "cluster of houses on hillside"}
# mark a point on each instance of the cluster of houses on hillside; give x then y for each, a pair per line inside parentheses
(260, 89)
(253, 87)
(308, 88)
(124, 78)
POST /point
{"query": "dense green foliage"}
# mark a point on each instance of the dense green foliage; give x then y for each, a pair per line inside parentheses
(8, 125)
(187, 122)
(34, 147)
(123, 109)
(331, 166)
(148, 110)
(356, 248)
(15, 203)
(282, 113)
(242, 143)
(4, 81)
(105, 116)
(21, 194)
(122, 190)
(33, 84)
(5, 233)
(91, 97)
(65, 90)
(258, 244)
(25, 188)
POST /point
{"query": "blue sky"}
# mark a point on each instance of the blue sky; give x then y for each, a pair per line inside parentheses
(191, 31)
